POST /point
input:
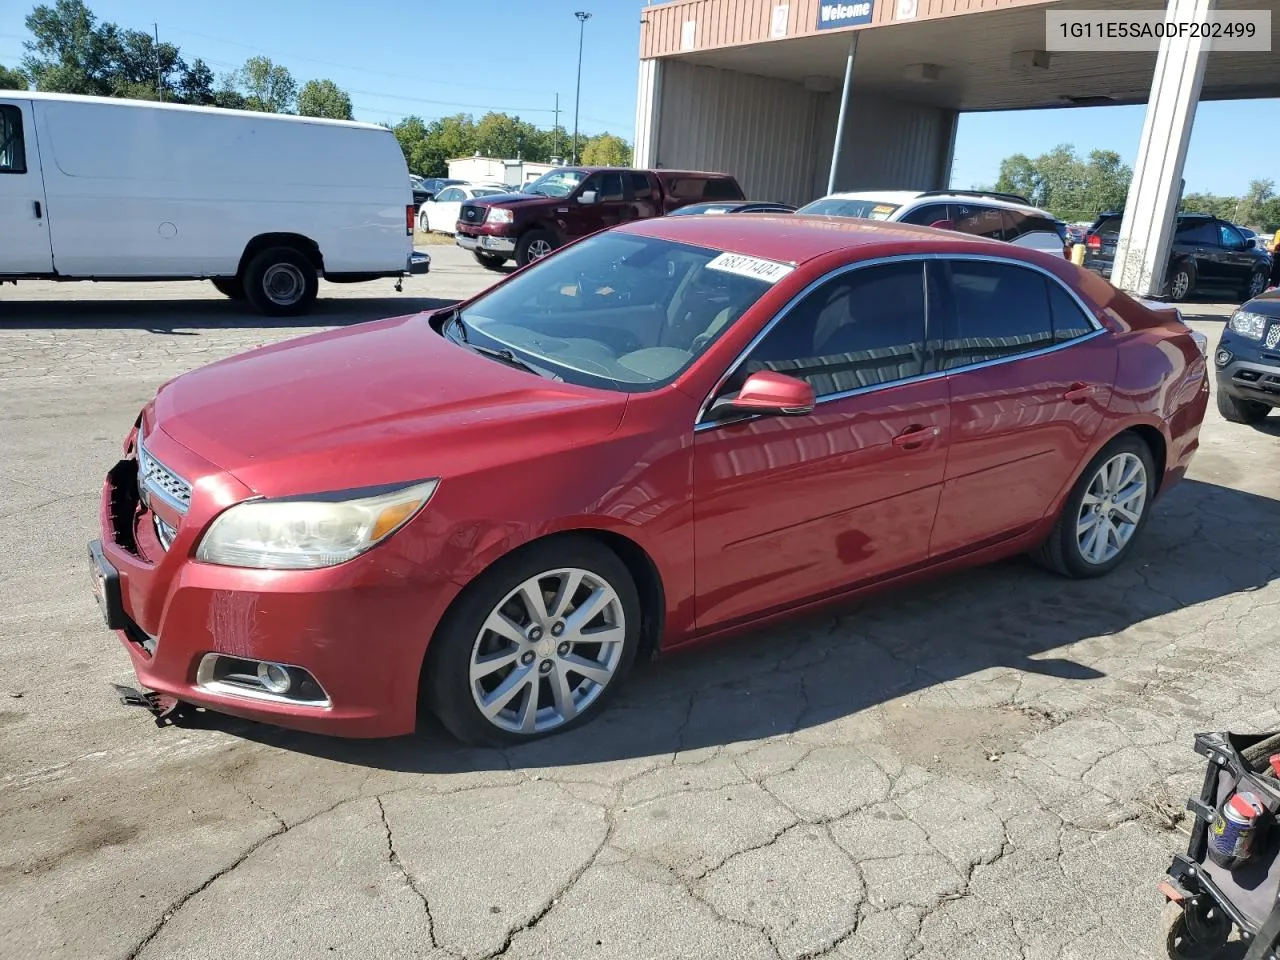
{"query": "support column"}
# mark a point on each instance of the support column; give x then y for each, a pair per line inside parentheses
(648, 115)
(844, 109)
(1142, 252)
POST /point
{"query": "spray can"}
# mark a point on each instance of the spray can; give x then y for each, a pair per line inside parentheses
(1235, 828)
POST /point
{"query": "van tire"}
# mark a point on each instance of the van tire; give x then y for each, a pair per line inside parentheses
(228, 287)
(489, 261)
(281, 282)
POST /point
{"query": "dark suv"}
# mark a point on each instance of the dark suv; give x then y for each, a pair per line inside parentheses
(1248, 361)
(1207, 253)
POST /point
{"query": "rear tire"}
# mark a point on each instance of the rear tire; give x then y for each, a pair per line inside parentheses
(1237, 410)
(229, 287)
(1110, 485)
(424, 223)
(468, 662)
(1182, 282)
(281, 282)
(1256, 286)
(489, 261)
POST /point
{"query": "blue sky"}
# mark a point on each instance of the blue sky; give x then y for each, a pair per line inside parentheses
(438, 57)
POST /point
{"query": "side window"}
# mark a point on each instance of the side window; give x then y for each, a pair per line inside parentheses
(449, 195)
(1230, 237)
(1069, 321)
(13, 153)
(1016, 223)
(641, 187)
(861, 329)
(608, 187)
(980, 221)
(721, 188)
(1197, 232)
(1000, 311)
(686, 188)
(928, 214)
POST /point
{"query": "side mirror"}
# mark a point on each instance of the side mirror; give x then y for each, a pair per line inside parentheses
(769, 394)
(943, 225)
(1251, 243)
(587, 197)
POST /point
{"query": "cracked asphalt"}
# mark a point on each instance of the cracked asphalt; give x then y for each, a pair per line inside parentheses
(993, 765)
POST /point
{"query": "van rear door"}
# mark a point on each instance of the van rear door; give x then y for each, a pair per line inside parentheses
(24, 238)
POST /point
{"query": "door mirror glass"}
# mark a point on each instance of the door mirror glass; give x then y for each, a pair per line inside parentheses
(1251, 243)
(769, 394)
(587, 197)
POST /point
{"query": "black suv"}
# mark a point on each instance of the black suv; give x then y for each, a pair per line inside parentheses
(1248, 361)
(1207, 253)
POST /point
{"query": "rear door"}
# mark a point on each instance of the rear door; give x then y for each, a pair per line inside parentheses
(1238, 261)
(25, 246)
(1030, 377)
(1197, 239)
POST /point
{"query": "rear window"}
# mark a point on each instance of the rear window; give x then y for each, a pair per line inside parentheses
(863, 209)
(1108, 228)
(704, 188)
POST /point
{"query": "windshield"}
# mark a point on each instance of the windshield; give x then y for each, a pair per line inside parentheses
(557, 183)
(864, 209)
(619, 311)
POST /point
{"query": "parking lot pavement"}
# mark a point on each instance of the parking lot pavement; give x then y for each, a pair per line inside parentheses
(990, 766)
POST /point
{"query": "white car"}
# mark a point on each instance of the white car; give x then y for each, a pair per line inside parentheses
(440, 214)
(998, 216)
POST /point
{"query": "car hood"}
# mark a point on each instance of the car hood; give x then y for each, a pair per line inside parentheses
(379, 403)
(513, 200)
(1267, 304)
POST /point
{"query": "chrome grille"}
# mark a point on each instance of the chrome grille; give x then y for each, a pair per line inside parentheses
(1273, 336)
(472, 213)
(155, 479)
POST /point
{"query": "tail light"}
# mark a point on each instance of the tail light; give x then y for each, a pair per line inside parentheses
(1093, 242)
(408, 219)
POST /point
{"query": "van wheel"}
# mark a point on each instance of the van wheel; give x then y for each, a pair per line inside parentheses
(534, 245)
(229, 287)
(281, 282)
(489, 261)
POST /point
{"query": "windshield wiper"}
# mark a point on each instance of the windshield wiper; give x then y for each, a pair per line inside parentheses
(505, 356)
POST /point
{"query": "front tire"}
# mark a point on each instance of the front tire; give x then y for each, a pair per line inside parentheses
(281, 282)
(537, 645)
(489, 261)
(1104, 513)
(1238, 410)
(535, 245)
(1182, 282)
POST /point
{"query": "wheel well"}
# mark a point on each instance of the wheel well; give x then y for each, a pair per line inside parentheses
(304, 245)
(1154, 440)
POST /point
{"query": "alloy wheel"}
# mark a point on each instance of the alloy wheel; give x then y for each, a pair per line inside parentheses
(547, 651)
(1257, 285)
(1112, 508)
(538, 249)
(1181, 284)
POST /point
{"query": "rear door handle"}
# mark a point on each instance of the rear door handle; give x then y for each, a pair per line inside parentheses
(915, 437)
(39, 210)
(1079, 393)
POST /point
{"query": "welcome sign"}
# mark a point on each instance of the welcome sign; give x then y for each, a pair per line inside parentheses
(832, 15)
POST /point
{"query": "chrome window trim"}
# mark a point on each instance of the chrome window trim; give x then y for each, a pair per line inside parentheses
(1097, 330)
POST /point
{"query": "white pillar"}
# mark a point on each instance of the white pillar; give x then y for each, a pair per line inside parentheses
(648, 115)
(1142, 252)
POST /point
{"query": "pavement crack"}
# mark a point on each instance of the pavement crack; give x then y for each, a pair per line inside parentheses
(393, 857)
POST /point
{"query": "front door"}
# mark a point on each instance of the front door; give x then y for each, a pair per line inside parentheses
(792, 508)
(1031, 378)
(25, 247)
(600, 202)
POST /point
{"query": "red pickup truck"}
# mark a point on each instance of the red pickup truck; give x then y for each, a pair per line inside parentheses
(571, 202)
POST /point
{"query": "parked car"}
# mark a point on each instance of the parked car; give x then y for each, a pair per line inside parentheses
(667, 432)
(571, 202)
(109, 189)
(440, 214)
(731, 206)
(997, 216)
(433, 185)
(1247, 360)
(1207, 254)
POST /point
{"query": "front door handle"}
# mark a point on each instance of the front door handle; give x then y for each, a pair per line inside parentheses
(1079, 393)
(39, 210)
(915, 437)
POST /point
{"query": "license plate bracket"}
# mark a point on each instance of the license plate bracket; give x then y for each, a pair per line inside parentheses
(105, 582)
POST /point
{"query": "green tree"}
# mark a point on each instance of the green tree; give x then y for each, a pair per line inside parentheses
(69, 52)
(1249, 209)
(1064, 184)
(606, 150)
(324, 98)
(500, 135)
(12, 79)
(267, 86)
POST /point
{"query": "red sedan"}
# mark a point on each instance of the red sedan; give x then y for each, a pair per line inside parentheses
(665, 432)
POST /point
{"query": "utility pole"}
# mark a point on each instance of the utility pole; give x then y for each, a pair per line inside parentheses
(556, 126)
(583, 17)
(159, 80)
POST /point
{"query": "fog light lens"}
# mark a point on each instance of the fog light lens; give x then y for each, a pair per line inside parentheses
(274, 677)
(1222, 358)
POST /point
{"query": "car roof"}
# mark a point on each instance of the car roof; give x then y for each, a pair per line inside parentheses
(793, 238)
(904, 197)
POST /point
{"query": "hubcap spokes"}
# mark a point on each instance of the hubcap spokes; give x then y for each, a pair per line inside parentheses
(1180, 284)
(547, 651)
(539, 249)
(1112, 508)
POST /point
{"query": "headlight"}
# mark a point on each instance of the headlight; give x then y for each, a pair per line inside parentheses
(308, 533)
(1251, 326)
(498, 215)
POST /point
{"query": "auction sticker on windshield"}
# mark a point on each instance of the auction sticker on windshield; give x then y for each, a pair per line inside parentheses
(770, 271)
(882, 212)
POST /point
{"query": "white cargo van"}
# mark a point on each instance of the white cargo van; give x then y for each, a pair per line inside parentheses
(261, 204)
